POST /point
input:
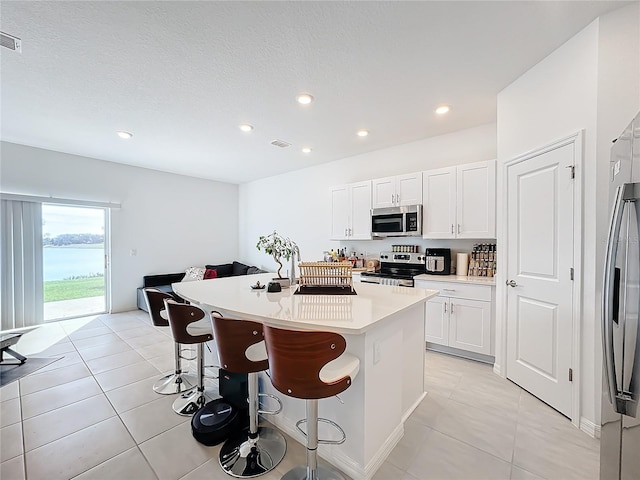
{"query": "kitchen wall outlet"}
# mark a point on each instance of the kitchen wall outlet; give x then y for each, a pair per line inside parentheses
(376, 352)
(133, 252)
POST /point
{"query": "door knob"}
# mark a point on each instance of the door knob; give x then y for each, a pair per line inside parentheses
(511, 283)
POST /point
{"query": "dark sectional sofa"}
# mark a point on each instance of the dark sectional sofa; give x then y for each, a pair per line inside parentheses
(163, 282)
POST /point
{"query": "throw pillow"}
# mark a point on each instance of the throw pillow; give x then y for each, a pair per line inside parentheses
(224, 269)
(194, 273)
(240, 268)
(210, 273)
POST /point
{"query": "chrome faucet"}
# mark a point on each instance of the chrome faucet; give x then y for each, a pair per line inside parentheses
(295, 251)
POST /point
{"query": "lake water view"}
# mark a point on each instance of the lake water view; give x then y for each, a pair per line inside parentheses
(64, 262)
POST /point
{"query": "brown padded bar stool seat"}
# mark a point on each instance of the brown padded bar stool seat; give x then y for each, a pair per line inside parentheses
(189, 325)
(255, 450)
(182, 316)
(310, 365)
(155, 304)
(297, 358)
(176, 381)
(236, 340)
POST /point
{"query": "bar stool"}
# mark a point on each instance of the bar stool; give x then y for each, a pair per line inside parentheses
(178, 381)
(255, 450)
(188, 328)
(310, 365)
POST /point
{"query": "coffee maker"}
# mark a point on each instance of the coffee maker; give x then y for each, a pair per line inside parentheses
(438, 261)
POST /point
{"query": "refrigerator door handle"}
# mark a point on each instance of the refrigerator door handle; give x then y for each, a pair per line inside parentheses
(627, 192)
(607, 294)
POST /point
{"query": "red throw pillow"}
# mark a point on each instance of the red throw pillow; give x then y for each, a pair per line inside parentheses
(210, 273)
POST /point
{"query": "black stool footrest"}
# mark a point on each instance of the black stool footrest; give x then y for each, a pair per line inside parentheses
(330, 422)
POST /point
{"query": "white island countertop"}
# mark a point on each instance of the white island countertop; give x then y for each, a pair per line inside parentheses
(346, 314)
(457, 279)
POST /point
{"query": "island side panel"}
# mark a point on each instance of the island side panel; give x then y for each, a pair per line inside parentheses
(384, 386)
(414, 352)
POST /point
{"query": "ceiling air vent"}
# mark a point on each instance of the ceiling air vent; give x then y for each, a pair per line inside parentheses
(10, 42)
(280, 143)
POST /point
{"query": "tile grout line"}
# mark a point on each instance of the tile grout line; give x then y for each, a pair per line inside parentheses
(112, 406)
(84, 362)
(118, 414)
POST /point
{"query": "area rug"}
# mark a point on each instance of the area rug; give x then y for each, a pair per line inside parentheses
(11, 373)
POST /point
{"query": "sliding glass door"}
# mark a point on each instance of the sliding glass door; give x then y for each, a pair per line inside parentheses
(74, 253)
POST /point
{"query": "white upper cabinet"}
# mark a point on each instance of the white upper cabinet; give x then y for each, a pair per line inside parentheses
(339, 212)
(460, 202)
(439, 208)
(384, 192)
(351, 211)
(360, 211)
(397, 191)
(476, 195)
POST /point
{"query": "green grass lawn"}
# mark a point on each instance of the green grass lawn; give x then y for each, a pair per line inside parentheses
(69, 289)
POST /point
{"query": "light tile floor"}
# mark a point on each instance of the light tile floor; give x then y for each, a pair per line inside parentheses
(93, 415)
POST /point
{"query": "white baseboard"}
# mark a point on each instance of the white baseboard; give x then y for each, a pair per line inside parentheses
(410, 410)
(457, 352)
(590, 428)
(384, 451)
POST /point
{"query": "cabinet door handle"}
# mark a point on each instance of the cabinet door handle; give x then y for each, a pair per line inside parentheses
(449, 289)
(445, 307)
(458, 228)
(345, 232)
(452, 228)
(452, 307)
(393, 199)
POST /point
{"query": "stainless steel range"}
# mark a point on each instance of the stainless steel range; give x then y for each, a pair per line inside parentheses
(396, 269)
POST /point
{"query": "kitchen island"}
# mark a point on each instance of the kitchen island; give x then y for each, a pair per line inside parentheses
(383, 326)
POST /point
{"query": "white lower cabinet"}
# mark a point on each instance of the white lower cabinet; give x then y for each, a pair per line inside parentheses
(436, 318)
(470, 325)
(463, 323)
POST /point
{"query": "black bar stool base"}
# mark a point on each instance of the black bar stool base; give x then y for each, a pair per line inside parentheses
(189, 402)
(173, 383)
(321, 473)
(244, 458)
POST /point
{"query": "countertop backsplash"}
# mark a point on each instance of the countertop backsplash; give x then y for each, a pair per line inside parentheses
(372, 248)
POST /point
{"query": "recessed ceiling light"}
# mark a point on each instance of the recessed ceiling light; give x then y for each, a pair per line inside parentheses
(306, 149)
(125, 135)
(363, 133)
(442, 109)
(245, 127)
(304, 98)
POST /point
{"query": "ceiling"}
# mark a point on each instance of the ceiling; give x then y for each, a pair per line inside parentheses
(181, 76)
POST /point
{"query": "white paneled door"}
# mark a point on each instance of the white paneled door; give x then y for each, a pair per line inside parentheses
(539, 274)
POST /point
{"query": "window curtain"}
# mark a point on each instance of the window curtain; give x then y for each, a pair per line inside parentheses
(21, 284)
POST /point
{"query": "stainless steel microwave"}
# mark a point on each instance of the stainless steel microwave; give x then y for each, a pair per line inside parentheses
(397, 221)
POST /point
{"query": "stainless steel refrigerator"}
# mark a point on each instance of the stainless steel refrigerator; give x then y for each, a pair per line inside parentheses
(620, 434)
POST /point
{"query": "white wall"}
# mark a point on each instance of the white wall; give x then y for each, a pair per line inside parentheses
(590, 83)
(173, 221)
(297, 204)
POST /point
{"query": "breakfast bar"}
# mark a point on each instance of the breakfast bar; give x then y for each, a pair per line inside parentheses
(383, 326)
